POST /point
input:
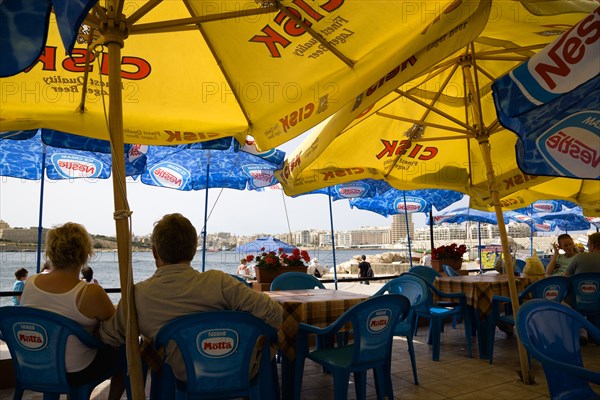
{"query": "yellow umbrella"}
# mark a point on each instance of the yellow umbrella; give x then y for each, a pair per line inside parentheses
(439, 128)
(187, 71)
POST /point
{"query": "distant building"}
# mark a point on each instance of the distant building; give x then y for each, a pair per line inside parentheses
(24, 235)
(398, 229)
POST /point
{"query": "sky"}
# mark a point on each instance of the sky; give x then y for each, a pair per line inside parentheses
(239, 212)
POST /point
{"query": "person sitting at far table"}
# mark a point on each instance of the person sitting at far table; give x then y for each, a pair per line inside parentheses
(242, 269)
(21, 275)
(177, 289)
(68, 247)
(316, 268)
(559, 262)
(587, 262)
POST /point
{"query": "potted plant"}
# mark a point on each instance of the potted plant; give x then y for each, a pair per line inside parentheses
(450, 255)
(270, 264)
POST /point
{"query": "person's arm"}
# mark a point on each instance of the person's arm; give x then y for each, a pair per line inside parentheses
(552, 264)
(113, 330)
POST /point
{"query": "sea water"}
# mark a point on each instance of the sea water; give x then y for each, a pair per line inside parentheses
(106, 265)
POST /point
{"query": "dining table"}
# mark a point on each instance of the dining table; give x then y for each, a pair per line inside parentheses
(479, 291)
(319, 307)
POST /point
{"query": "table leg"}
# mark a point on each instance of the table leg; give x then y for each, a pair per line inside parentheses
(288, 371)
(483, 330)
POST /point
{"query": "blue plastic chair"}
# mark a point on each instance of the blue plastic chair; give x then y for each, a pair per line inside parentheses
(373, 323)
(519, 265)
(296, 281)
(427, 273)
(416, 291)
(239, 278)
(449, 270)
(218, 349)
(554, 288)
(585, 295)
(37, 340)
(550, 332)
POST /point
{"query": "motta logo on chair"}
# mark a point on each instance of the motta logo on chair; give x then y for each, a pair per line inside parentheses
(378, 320)
(551, 292)
(217, 343)
(31, 336)
(588, 287)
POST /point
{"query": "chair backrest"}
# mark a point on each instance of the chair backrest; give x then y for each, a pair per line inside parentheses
(37, 340)
(296, 281)
(373, 324)
(417, 293)
(555, 288)
(550, 332)
(449, 270)
(239, 278)
(218, 349)
(586, 293)
(520, 265)
(427, 273)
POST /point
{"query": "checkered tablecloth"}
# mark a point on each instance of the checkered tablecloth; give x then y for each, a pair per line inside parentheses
(313, 306)
(479, 289)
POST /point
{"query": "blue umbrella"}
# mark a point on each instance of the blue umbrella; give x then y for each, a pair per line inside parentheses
(36, 154)
(268, 243)
(552, 101)
(350, 190)
(396, 201)
(217, 164)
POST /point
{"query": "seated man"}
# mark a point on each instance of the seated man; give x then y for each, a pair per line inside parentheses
(176, 289)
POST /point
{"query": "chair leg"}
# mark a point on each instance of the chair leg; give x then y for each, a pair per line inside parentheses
(360, 384)
(435, 333)
(340, 384)
(18, 395)
(413, 361)
(46, 396)
(467, 322)
(383, 383)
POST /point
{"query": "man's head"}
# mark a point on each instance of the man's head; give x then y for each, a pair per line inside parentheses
(174, 240)
(21, 274)
(363, 257)
(594, 242)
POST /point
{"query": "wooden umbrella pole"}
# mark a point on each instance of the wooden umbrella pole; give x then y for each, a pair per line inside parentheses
(510, 270)
(115, 34)
(484, 146)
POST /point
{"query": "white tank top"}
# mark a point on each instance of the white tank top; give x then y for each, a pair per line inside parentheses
(77, 355)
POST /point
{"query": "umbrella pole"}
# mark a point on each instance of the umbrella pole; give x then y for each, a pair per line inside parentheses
(484, 145)
(431, 228)
(332, 238)
(40, 227)
(479, 247)
(114, 41)
(205, 215)
(407, 231)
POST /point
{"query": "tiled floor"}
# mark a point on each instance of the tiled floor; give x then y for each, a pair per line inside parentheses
(455, 376)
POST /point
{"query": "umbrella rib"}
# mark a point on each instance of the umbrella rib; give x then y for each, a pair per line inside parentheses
(143, 10)
(435, 110)
(424, 123)
(192, 23)
(315, 35)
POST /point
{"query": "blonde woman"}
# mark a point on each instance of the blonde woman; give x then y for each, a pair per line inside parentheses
(69, 247)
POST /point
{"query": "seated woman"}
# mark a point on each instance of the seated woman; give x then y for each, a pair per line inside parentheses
(69, 247)
(242, 269)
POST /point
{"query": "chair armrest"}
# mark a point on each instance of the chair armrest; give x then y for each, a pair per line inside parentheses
(314, 329)
(500, 299)
(581, 372)
(455, 295)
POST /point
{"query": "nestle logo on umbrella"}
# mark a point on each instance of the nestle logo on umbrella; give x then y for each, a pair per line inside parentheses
(169, 175)
(352, 191)
(217, 343)
(260, 177)
(74, 166)
(561, 67)
(378, 320)
(543, 227)
(570, 146)
(31, 336)
(546, 206)
(413, 205)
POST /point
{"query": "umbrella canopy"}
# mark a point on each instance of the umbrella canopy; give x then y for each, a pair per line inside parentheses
(196, 70)
(439, 129)
(552, 101)
(463, 214)
(268, 243)
(429, 130)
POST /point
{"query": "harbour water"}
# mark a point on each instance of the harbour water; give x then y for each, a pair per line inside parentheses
(106, 267)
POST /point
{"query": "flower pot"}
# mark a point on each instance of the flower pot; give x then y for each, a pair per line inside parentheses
(266, 275)
(455, 264)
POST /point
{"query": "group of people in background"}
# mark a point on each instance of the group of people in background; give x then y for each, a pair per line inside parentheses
(573, 261)
(175, 289)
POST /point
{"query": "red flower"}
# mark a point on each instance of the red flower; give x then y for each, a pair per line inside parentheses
(280, 259)
(249, 258)
(450, 252)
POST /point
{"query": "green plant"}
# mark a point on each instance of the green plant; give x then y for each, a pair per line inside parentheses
(280, 259)
(450, 252)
